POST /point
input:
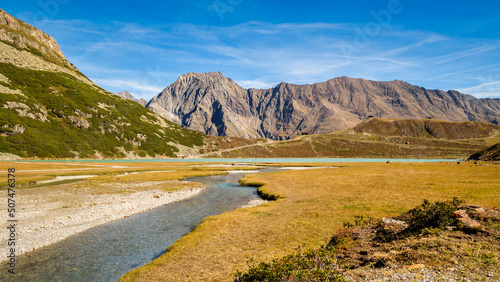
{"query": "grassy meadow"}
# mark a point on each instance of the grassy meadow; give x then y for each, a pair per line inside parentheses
(29, 173)
(311, 206)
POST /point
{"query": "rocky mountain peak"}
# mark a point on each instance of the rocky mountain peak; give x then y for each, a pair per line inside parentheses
(209, 79)
(24, 36)
(128, 96)
(211, 83)
(203, 75)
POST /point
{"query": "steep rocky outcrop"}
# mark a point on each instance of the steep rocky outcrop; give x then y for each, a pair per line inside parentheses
(128, 96)
(216, 105)
(490, 154)
(142, 102)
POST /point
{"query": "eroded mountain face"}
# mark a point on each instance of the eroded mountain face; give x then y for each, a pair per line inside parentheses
(216, 105)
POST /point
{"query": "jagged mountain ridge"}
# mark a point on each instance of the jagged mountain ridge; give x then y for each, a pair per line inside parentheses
(209, 103)
(128, 96)
(216, 105)
(48, 108)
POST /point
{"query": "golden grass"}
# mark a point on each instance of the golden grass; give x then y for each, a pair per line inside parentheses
(37, 171)
(155, 176)
(490, 141)
(312, 205)
(111, 184)
(344, 145)
(131, 186)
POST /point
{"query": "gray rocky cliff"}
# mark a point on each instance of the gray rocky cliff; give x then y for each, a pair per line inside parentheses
(216, 105)
(128, 96)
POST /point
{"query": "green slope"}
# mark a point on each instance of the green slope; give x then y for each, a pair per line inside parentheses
(428, 128)
(63, 117)
(489, 154)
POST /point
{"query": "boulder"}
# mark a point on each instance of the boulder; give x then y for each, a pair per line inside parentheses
(465, 219)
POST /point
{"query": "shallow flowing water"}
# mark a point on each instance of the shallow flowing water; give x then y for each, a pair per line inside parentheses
(107, 252)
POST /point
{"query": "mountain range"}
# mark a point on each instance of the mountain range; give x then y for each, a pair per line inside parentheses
(216, 105)
(49, 109)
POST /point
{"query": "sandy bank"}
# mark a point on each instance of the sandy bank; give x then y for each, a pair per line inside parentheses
(48, 215)
(302, 167)
(61, 178)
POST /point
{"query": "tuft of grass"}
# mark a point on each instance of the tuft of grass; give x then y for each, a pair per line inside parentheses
(261, 191)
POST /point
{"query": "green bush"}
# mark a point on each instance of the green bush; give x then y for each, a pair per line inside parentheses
(432, 215)
(342, 240)
(309, 265)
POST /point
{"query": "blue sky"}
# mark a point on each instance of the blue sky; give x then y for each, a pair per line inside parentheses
(144, 46)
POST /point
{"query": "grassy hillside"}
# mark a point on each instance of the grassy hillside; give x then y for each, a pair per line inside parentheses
(51, 114)
(427, 128)
(345, 145)
(376, 138)
(489, 154)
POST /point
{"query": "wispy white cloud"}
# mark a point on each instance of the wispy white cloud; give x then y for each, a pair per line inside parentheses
(135, 86)
(467, 70)
(415, 45)
(484, 90)
(256, 83)
(462, 54)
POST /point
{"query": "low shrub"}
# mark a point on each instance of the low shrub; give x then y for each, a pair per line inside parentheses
(308, 265)
(343, 239)
(432, 215)
(361, 222)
